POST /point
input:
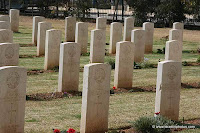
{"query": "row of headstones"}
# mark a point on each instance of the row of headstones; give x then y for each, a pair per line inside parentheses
(12, 78)
(78, 32)
(95, 97)
(10, 22)
(95, 76)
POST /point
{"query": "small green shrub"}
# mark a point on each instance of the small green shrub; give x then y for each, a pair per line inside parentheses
(144, 64)
(148, 124)
(161, 51)
(198, 59)
(185, 63)
(110, 61)
(86, 54)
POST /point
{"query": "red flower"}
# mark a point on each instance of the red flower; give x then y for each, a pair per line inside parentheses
(56, 131)
(157, 113)
(71, 130)
(114, 87)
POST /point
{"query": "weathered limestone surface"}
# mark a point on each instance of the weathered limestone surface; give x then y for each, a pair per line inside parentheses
(70, 28)
(82, 36)
(97, 46)
(6, 35)
(138, 39)
(9, 54)
(149, 31)
(5, 18)
(178, 25)
(69, 67)
(52, 48)
(95, 99)
(168, 89)
(42, 28)
(124, 63)
(115, 36)
(128, 27)
(12, 99)
(14, 20)
(5, 25)
(101, 23)
(36, 20)
(176, 35)
(173, 50)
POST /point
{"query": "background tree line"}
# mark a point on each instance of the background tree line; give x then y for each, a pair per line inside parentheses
(162, 12)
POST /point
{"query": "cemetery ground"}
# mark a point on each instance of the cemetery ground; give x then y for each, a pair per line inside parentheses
(126, 105)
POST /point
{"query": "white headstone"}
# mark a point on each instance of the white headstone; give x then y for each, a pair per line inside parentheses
(14, 20)
(70, 28)
(101, 23)
(95, 99)
(36, 20)
(6, 35)
(168, 89)
(173, 50)
(124, 63)
(175, 34)
(115, 36)
(149, 31)
(5, 25)
(5, 18)
(12, 99)
(42, 28)
(138, 39)
(128, 27)
(52, 48)
(178, 25)
(82, 36)
(9, 54)
(97, 46)
(69, 67)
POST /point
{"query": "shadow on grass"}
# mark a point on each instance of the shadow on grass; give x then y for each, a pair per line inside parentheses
(52, 95)
(27, 45)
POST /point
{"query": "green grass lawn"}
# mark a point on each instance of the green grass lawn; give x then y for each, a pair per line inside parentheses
(43, 116)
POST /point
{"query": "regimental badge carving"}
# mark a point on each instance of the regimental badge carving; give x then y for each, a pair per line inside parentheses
(9, 52)
(99, 75)
(139, 35)
(172, 72)
(5, 36)
(13, 80)
(100, 36)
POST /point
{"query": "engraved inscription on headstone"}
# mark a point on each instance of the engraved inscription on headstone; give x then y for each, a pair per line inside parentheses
(13, 80)
(95, 100)
(69, 67)
(12, 99)
(173, 50)
(97, 46)
(9, 54)
(168, 89)
(6, 36)
(124, 65)
(52, 51)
